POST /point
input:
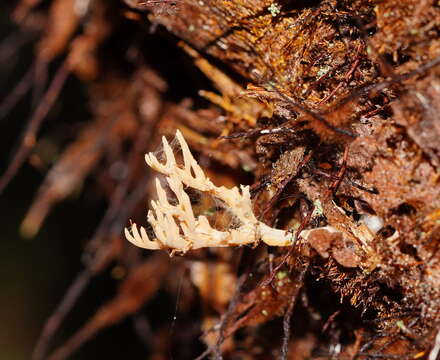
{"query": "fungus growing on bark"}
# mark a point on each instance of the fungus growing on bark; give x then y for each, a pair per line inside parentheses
(177, 228)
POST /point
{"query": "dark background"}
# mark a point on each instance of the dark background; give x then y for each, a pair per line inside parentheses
(35, 274)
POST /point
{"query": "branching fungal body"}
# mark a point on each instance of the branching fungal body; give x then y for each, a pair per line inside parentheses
(175, 226)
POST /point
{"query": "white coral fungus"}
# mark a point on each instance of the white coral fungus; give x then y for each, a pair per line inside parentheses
(176, 227)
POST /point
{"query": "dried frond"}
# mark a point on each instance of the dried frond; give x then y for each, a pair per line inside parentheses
(177, 228)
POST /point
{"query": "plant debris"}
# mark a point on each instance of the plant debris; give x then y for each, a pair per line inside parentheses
(309, 125)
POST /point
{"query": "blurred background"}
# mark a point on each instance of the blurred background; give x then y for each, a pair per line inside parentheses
(36, 272)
